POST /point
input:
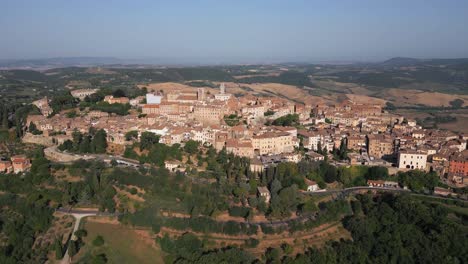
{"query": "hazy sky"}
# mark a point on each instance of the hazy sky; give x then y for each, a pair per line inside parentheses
(237, 29)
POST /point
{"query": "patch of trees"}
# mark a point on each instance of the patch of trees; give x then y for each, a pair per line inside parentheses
(159, 153)
(457, 103)
(191, 146)
(434, 120)
(395, 229)
(92, 142)
(201, 84)
(131, 135)
(239, 211)
(96, 186)
(328, 212)
(209, 225)
(384, 79)
(226, 166)
(63, 101)
(358, 175)
(232, 120)
(14, 115)
(128, 176)
(389, 106)
(287, 120)
(417, 180)
(33, 129)
(118, 93)
(189, 249)
(22, 220)
(116, 108)
(341, 153)
(148, 140)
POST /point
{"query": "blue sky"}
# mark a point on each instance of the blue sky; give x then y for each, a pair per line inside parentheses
(246, 30)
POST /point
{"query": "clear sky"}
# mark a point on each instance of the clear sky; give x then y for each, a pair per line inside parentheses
(289, 30)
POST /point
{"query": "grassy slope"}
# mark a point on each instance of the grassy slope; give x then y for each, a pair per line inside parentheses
(122, 245)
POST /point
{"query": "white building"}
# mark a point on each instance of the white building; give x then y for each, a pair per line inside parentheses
(82, 93)
(312, 186)
(152, 98)
(222, 96)
(412, 159)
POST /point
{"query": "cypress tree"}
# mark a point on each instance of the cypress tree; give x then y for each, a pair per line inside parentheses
(58, 249)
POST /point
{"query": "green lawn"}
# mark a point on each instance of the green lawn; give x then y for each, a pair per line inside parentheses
(122, 245)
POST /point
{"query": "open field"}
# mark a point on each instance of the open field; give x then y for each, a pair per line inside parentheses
(460, 125)
(122, 244)
(415, 97)
(287, 91)
(364, 99)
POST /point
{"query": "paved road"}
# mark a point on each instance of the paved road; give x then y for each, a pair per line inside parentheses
(102, 157)
(85, 212)
(78, 215)
(386, 189)
(358, 188)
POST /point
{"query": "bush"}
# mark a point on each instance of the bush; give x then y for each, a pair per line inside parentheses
(98, 241)
(133, 191)
(251, 243)
(81, 233)
(239, 211)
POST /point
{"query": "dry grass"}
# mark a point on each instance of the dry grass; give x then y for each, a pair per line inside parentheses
(123, 244)
(414, 97)
(364, 99)
(461, 125)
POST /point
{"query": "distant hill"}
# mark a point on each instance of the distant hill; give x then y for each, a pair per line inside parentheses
(403, 61)
(59, 62)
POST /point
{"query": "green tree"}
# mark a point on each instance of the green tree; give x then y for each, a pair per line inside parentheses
(98, 241)
(191, 146)
(457, 103)
(80, 233)
(343, 151)
(99, 259)
(72, 248)
(85, 145)
(147, 140)
(5, 118)
(119, 93)
(131, 135)
(100, 141)
(77, 136)
(33, 129)
(287, 120)
(377, 173)
(66, 145)
(58, 249)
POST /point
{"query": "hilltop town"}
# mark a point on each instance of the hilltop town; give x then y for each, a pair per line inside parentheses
(238, 168)
(267, 130)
